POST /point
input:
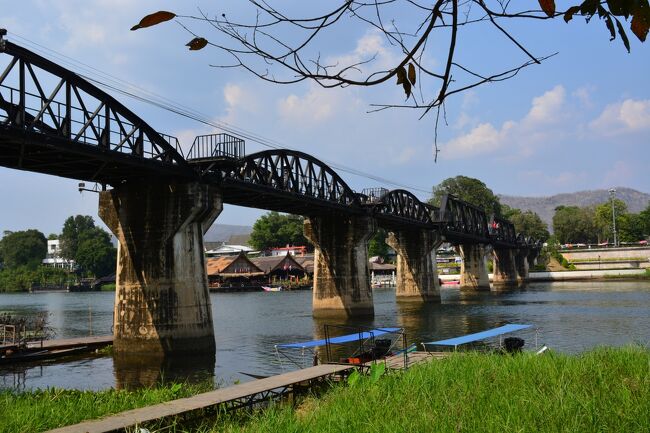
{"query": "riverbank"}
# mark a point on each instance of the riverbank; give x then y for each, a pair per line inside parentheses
(602, 390)
(568, 275)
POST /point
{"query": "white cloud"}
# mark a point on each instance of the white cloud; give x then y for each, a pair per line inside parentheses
(370, 47)
(625, 117)
(546, 108)
(520, 137)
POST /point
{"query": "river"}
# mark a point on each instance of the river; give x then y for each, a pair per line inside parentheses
(569, 317)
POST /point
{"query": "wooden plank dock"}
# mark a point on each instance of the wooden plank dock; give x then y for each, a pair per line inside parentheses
(262, 388)
(69, 343)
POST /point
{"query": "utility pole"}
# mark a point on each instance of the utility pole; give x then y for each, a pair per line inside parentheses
(612, 193)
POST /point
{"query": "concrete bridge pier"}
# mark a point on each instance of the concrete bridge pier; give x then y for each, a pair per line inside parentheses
(417, 276)
(161, 296)
(522, 266)
(473, 269)
(341, 272)
(504, 274)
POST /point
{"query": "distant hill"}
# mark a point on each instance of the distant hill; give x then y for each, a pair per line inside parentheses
(545, 206)
(223, 232)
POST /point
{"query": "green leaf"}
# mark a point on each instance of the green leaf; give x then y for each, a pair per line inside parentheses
(568, 15)
(376, 371)
(153, 19)
(354, 378)
(412, 73)
(623, 36)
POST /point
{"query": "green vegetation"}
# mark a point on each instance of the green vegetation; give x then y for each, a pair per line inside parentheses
(470, 190)
(25, 248)
(377, 244)
(89, 246)
(593, 224)
(602, 390)
(21, 279)
(527, 222)
(108, 287)
(277, 230)
(41, 410)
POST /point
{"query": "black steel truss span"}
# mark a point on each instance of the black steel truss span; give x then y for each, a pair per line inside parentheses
(502, 233)
(401, 209)
(462, 221)
(287, 181)
(53, 121)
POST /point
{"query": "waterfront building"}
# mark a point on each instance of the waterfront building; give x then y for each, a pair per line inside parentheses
(53, 258)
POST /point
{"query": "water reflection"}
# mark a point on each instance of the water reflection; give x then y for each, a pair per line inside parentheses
(138, 371)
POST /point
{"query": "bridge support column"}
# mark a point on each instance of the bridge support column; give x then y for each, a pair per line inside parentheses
(522, 266)
(417, 276)
(341, 273)
(473, 269)
(161, 296)
(504, 271)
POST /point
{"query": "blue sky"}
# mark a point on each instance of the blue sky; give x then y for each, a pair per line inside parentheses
(581, 120)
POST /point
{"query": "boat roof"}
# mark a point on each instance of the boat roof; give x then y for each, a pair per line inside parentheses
(340, 339)
(480, 335)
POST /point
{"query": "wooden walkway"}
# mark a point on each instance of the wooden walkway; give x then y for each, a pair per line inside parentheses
(263, 388)
(69, 343)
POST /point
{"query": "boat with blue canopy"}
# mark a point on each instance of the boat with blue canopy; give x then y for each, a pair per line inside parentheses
(359, 347)
(495, 332)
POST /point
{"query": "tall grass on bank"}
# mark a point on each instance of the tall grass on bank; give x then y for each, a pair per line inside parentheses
(40, 410)
(606, 390)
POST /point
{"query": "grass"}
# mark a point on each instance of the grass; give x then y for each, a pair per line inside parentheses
(110, 287)
(644, 276)
(605, 390)
(41, 410)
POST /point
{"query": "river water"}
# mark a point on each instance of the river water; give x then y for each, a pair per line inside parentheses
(569, 317)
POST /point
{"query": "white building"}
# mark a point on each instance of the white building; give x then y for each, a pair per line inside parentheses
(53, 258)
(230, 250)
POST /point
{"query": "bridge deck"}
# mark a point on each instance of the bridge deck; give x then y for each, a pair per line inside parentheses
(205, 400)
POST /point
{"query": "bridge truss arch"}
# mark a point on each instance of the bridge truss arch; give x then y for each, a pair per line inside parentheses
(56, 122)
(402, 208)
(288, 181)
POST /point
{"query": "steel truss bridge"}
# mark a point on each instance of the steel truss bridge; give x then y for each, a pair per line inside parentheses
(55, 122)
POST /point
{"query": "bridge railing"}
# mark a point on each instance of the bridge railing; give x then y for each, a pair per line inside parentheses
(216, 146)
(75, 123)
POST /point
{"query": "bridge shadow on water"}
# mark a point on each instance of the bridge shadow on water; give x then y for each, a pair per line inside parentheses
(134, 371)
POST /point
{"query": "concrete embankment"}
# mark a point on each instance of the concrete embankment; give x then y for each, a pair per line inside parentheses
(569, 275)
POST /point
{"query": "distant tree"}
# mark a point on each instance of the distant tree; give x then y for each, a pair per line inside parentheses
(277, 230)
(95, 253)
(644, 217)
(603, 218)
(527, 222)
(72, 229)
(377, 244)
(24, 248)
(52, 237)
(630, 227)
(470, 190)
(573, 224)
